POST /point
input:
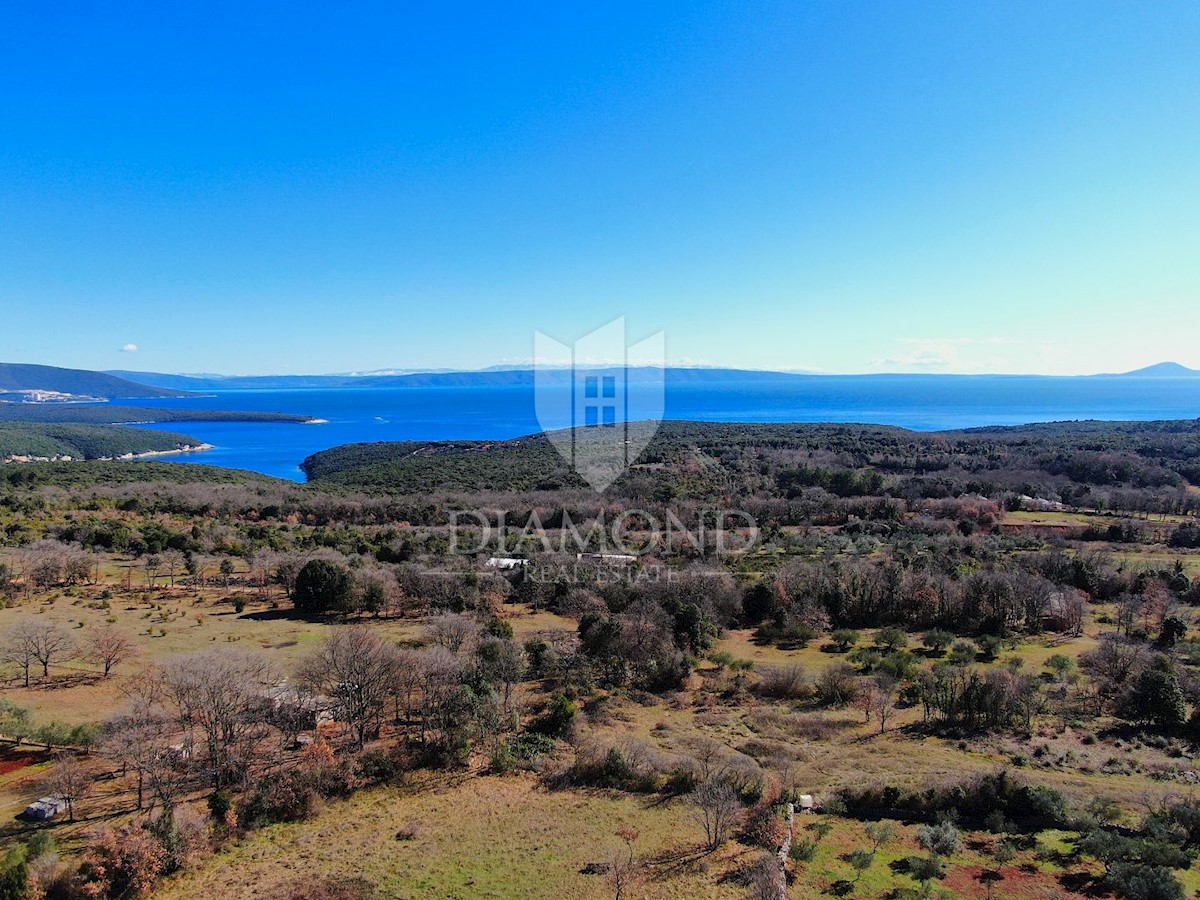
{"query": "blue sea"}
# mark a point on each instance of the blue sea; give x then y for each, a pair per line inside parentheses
(923, 403)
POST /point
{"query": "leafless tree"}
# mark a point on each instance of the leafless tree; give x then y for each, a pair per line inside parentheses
(1074, 605)
(109, 647)
(42, 563)
(450, 630)
(767, 881)
(77, 566)
(152, 564)
(139, 736)
(717, 808)
(358, 668)
(441, 675)
(882, 696)
(17, 647)
(49, 641)
(173, 563)
(624, 870)
(222, 693)
(287, 570)
(69, 781)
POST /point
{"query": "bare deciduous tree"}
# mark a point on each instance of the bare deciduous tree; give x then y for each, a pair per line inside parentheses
(717, 809)
(42, 563)
(49, 641)
(882, 696)
(77, 566)
(17, 648)
(623, 871)
(223, 693)
(451, 631)
(69, 781)
(108, 647)
(152, 564)
(357, 668)
(173, 563)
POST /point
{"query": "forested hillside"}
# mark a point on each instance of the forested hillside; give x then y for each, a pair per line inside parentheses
(51, 440)
(19, 377)
(1130, 465)
(112, 414)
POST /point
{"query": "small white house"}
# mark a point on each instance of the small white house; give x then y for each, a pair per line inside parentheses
(46, 808)
(807, 804)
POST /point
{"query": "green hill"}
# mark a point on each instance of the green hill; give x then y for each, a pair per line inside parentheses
(711, 460)
(113, 414)
(77, 382)
(85, 441)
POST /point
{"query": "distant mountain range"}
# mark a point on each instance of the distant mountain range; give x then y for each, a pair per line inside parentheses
(480, 377)
(49, 383)
(515, 376)
(19, 382)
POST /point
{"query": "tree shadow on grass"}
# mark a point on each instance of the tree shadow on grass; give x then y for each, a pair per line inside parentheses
(673, 861)
(1086, 884)
(273, 615)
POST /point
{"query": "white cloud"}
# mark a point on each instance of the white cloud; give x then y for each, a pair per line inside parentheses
(129, 348)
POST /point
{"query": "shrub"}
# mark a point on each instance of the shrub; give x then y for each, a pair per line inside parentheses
(530, 745)
(500, 628)
(764, 828)
(989, 646)
(120, 864)
(786, 683)
(837, 684)
(803, 851)
(220, 804)
(1145, 882)
(937, 640)
(503, 759)
(280, 797)
(556, 720)
(1028, 807)
(378, 767)
(632, 766)
(844, 639)
(790, 635)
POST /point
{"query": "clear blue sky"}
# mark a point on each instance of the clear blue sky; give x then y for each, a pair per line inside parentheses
(840, 186)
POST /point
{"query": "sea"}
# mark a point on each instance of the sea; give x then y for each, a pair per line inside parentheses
(492, 412)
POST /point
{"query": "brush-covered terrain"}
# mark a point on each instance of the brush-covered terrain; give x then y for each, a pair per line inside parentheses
(771, 660)
(75, 441)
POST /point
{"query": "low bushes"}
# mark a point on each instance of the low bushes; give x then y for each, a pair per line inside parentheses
(979, 800)
(786, 683)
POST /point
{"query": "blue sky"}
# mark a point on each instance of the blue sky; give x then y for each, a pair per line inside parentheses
(845, 187)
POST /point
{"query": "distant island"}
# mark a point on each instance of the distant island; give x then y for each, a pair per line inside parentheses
(1160, 370)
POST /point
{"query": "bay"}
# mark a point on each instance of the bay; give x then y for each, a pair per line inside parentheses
(496, 412)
